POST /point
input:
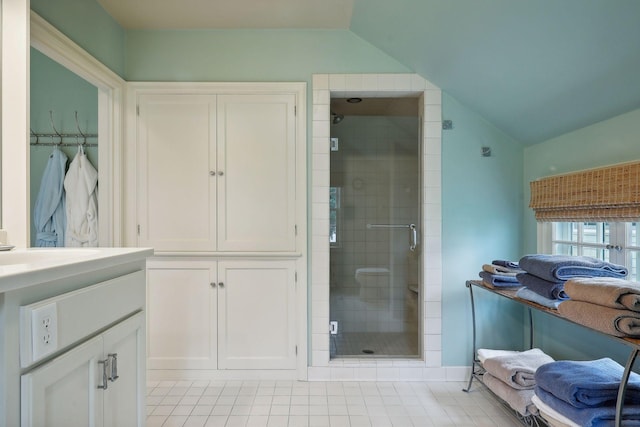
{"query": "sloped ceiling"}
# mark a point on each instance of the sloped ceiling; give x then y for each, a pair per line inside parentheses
(534, 68)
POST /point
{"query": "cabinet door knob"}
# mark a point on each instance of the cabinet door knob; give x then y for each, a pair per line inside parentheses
(212, 173)
(220, 173)
(213, 284)
(221, 284)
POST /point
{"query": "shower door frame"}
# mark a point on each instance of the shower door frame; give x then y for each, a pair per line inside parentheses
(429, 366)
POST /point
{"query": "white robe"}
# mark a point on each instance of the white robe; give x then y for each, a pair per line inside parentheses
(81, 186)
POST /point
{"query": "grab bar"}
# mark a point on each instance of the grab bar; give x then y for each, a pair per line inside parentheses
(413, 232)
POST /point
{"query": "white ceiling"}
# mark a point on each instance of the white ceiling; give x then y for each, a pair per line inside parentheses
(230, 14)
(535, 69)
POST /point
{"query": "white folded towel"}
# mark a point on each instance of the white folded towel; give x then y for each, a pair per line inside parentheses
(553, 417)
(517, 370)
(485, 353)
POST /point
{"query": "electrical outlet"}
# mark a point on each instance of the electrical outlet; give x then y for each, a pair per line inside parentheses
(44, 330)
(333, 327)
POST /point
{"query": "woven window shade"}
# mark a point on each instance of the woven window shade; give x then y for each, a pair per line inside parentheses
(610, 193)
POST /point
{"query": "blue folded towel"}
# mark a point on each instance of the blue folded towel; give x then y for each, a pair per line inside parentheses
(505, 263)
(564, 267)
(600, 416)
(550, 290)
(499, 280)
(529, 295)
(585, 384)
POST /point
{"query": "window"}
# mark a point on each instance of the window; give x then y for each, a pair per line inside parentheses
(615, 242)
(334, 215)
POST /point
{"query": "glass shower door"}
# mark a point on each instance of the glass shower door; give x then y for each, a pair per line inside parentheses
(374, 213)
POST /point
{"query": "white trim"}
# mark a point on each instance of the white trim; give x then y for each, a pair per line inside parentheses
(52, 43)
(544, 238)
(15, 65)
(429, 367)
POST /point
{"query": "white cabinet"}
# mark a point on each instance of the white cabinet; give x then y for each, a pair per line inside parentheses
(256, 308)
(229, 314)
(98, 383)
(216, 172)
(181, 315)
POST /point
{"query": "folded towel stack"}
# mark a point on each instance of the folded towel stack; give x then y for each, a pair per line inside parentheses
(607, 304)
(546, 275)
(511, 376)
(500, 274)
(586, 392)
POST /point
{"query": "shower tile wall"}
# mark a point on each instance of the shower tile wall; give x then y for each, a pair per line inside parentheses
(376, 169)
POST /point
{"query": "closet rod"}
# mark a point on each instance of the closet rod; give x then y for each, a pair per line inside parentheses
(63, 144)
(78, 137)
(61, 136)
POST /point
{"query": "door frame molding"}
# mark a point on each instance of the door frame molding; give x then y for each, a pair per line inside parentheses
(55, 45)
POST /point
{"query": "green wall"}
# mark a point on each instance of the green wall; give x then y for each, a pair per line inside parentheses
(481, 221)
(90, 26)
(604, 143)
(54, 88)
(250, 55)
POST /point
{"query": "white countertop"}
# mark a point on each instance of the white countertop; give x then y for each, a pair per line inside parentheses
(20, 268)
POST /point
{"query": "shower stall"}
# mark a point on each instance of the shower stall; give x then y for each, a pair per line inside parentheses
(375, 201)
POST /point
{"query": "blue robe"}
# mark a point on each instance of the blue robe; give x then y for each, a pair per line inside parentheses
(49, 216)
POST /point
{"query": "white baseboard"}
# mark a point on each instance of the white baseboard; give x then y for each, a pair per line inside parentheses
(410, 373)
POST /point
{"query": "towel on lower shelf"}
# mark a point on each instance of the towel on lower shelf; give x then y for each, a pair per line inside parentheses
(499, 280)
(588, 383)
(599, 416)
(498, 269)
(527, 294)
(608, 291)
(563, 267)
(519, 400)
(551, 290)
(620, 323)
(517, 370)
(485, 353)
(551, 416)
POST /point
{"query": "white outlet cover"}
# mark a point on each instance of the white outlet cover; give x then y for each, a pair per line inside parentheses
(44, 330)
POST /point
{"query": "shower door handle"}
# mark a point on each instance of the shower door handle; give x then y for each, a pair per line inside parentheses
(413, 232)
(413, 237)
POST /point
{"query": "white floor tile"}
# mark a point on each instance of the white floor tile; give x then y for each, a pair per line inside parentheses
(320, 404)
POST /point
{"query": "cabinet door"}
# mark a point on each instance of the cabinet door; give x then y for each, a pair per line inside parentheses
(256, 315)
(64, 392)
(256, 153)
(176, 165)
(182, 315)
(124, 399)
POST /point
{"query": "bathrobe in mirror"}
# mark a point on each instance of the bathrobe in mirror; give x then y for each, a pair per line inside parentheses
(81, 186)
(49, 210)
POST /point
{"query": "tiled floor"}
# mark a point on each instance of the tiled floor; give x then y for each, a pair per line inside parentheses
(311, 404)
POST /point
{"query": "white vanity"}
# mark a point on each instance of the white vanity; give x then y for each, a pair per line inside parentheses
(72, 337)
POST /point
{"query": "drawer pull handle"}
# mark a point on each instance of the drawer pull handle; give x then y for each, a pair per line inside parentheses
(114, 367)
(105, 378)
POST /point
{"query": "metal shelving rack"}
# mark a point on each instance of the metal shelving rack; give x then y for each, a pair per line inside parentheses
(477, 370)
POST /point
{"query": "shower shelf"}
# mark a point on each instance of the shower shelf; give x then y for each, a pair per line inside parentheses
(476, 367)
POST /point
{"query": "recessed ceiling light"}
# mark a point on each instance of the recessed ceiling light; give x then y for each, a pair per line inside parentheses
(354, 100)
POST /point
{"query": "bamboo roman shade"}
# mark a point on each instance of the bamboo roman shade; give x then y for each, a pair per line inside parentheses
(610, 193)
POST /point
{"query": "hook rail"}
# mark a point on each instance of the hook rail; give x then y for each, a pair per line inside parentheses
(62, 136)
